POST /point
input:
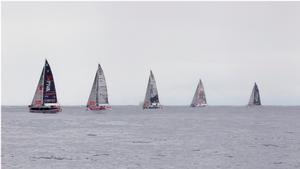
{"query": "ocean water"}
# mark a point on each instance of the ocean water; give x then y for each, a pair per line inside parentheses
(128, 137)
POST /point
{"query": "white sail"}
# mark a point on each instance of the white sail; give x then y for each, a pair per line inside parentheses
(37, 100)
(255, 96)
(199, 98)
(98, 95)
(92, 98)
(151, 98)
(102, 88)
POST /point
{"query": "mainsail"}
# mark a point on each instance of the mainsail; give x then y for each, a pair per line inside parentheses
(255, 97)
(151, 98)
(98, 95)
(49, 95)
(199, 98)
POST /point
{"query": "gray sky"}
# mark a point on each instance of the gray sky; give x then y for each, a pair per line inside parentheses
(229, 45)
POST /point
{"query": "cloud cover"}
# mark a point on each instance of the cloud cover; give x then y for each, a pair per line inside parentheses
(229, 45)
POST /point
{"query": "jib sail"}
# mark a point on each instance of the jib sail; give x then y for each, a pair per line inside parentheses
(37, 100)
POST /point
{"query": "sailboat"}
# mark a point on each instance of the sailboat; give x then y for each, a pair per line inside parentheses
(45, 99)
(98, 99)
(199, 99)
(255, 97)
(151, 99)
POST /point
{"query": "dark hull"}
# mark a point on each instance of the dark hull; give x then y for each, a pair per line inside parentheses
(44, 109)
(153, 108)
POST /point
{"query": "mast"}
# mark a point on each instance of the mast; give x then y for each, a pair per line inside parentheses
(43, 83)
(97, 88)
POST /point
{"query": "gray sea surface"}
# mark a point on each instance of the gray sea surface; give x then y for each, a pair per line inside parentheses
(128, 137)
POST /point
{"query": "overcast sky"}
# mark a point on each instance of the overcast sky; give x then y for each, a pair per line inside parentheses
(229, 45)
